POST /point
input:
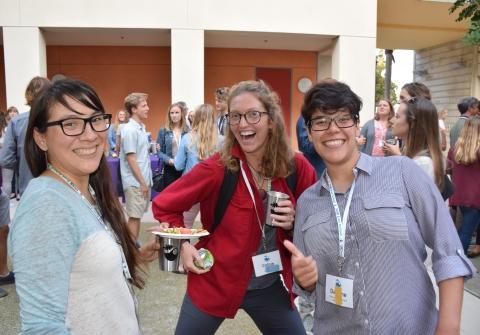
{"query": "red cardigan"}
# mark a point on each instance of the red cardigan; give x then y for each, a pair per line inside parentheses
(220, 291)
(466, 180)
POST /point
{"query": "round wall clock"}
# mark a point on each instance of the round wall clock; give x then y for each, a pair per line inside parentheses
(304, 84)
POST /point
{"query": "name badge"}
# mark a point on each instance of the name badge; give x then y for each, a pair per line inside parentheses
(339, 291)
(264, 264)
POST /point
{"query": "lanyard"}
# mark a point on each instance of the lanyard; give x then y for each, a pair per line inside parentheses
(341, 221)
(249, 187)
(96, 212)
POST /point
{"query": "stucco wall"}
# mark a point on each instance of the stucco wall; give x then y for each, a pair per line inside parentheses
(449, 71)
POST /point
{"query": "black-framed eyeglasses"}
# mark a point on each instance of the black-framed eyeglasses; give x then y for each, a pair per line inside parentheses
(323, 123)
(251, 117)
(76, 126)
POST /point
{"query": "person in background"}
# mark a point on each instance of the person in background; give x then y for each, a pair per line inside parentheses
(464, 162)
(190, 117)
(8, 175)
(416, 123)
(12, 156)
(6, 277)
(114, 133)
(377, 131)
(361, 230)
(307, 148)
(196, 146)
(135, 167)
(257, 149)
(221, 97)
(413, 90)
(442, 116)
(12, 111)
(73, 257)
(467, 107)
(168, 140)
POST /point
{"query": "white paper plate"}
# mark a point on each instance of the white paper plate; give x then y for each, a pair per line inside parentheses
(181, 236)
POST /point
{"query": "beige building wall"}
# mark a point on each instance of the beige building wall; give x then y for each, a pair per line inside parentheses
(184, 19)
(450, 71)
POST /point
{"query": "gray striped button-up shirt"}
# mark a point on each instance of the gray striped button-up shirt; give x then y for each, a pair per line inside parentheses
(396, 210)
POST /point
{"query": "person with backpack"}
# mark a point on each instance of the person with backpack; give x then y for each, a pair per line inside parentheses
(231, 187)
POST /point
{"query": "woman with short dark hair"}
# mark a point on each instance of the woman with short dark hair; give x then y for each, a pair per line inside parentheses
(361, 232)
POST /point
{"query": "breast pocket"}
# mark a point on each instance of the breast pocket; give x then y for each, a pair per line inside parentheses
(318, 234)
(386, 218)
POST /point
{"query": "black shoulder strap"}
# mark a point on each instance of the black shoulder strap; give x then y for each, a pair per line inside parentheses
(230, 180)
(292, 179)
(229, 183)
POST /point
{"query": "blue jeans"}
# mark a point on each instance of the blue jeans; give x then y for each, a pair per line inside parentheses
(471, 219)
(269, 308)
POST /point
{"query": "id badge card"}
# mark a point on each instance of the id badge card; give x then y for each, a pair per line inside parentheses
(269, 262)
(339, 291)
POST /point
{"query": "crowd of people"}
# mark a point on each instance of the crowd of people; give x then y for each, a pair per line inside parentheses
(364, 206)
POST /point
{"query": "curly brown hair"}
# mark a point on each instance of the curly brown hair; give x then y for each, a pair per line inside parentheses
(276, 161)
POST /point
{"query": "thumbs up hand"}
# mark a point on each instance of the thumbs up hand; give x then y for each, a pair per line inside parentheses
(304, 268)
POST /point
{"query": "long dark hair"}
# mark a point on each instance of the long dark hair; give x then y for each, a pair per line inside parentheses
(423, 134)
(100, 181)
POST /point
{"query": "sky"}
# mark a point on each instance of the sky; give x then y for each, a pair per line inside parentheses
(402, 69)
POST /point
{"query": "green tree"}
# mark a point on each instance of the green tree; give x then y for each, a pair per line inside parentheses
(469, 10)
(380, 81)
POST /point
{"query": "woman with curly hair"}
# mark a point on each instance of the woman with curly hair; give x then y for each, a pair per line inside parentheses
(256, 148)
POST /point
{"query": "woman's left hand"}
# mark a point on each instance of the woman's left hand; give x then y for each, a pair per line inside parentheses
(285, 215)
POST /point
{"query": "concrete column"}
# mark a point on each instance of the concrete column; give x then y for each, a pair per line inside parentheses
(25, 57)
(188, 66)
(324, 67)
(353, 62)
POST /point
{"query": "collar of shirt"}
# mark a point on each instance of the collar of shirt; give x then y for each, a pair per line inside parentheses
(138, 124)
(364, 164)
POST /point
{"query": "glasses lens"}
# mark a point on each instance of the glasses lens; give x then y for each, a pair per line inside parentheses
(73, 127)
(100, 122)
(234, 118)
(253, 117)
(344, 121)
(322, 123)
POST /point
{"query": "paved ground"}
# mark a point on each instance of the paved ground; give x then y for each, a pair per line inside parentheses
(161, 299)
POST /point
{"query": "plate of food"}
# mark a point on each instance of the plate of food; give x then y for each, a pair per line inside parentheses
(181, 232)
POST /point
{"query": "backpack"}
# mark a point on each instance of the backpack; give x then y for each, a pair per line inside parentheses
(230, 180)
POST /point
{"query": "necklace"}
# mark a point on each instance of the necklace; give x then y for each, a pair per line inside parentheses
(261, 182)
(95, 210)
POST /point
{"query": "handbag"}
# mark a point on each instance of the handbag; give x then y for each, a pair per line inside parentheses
(158, 178)
(448, 188)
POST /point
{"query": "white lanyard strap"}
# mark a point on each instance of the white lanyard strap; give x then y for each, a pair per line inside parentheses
(96, 212)
(249, 187)
(341, 221)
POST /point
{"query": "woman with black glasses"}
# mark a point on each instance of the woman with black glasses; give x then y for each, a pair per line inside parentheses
(249, 254)
(73, 258)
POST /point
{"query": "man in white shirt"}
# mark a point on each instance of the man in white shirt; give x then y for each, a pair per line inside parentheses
(135, 161)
